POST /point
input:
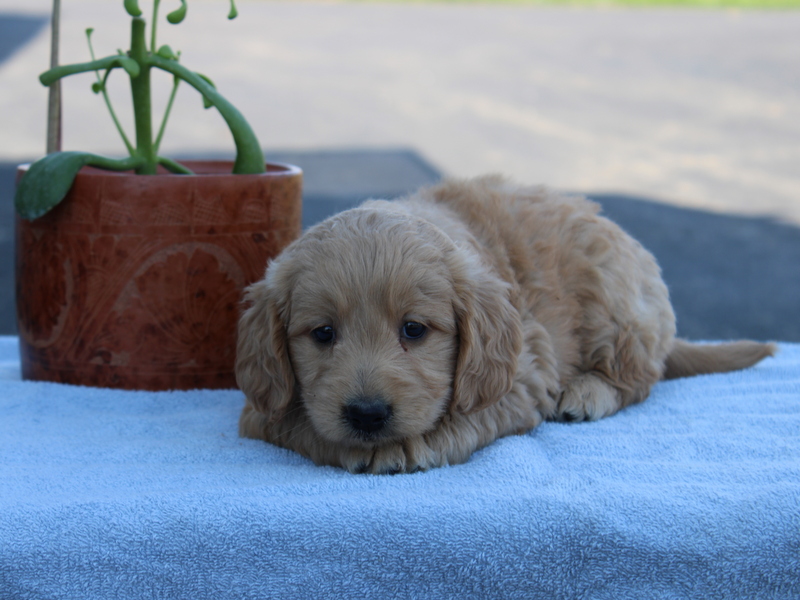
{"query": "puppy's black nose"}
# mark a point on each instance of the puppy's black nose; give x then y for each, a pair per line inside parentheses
(368, 416)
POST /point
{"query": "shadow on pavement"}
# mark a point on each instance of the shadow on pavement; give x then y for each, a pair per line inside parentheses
(16, 31)
(335, 180)
(729, 276)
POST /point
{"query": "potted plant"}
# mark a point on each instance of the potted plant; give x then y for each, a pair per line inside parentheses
(130, 271)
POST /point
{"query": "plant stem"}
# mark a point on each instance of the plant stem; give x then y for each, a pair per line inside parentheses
(54, 94)
(115, 164)
(117, 124)
(153, 23)
(163, 127)
(174, 167)
(140, 90)
(108, 62)
(102, 82)
(249, 155)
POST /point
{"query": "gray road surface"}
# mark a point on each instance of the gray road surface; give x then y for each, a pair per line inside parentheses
(685, 125)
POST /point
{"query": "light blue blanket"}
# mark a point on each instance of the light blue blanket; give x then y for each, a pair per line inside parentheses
(110, 494)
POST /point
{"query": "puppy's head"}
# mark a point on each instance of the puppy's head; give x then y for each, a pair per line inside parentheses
(377, 324)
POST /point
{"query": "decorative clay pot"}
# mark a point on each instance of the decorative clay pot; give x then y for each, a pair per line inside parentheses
(135, 281)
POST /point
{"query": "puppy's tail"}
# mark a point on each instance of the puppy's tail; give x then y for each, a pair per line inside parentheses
(688, 359)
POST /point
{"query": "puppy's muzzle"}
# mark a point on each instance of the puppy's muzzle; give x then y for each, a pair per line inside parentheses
(367, 415)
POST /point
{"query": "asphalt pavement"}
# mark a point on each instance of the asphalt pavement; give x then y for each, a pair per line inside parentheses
(733, 269)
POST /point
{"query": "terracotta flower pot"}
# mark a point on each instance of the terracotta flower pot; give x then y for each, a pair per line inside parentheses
(135, 281)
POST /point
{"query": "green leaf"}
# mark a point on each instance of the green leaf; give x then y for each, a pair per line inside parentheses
(132, 6)
(130, 65)
(207, 79)
(49, 179)
(206, 102)
(176, 16)
(166, 52)
(233, 13)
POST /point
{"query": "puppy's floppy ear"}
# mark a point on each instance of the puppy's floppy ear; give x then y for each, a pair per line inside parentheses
(263, 369)
(490, 340)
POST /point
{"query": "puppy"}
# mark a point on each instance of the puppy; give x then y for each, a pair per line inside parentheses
(401, 336)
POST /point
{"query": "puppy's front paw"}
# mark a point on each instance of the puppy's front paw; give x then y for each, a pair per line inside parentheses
(587, 398)
(407, 456)
(356, 460)
(383, 460)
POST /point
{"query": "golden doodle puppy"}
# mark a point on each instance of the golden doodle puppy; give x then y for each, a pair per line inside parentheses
(401, 336)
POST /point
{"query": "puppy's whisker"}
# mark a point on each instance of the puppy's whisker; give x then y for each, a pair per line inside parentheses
(302, 426)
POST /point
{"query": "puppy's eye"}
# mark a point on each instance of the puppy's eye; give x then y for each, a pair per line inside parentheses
(324, 335)
(412, 330)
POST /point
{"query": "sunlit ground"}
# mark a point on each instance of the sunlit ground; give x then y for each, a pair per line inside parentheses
(749, 4)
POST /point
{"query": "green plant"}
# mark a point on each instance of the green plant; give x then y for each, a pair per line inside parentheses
(48, 180)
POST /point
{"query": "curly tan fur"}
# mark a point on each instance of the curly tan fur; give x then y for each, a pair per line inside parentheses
(533, 306)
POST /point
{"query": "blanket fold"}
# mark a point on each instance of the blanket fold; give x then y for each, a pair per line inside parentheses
(116, 494)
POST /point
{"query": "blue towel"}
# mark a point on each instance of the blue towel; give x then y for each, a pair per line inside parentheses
(116, 494)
